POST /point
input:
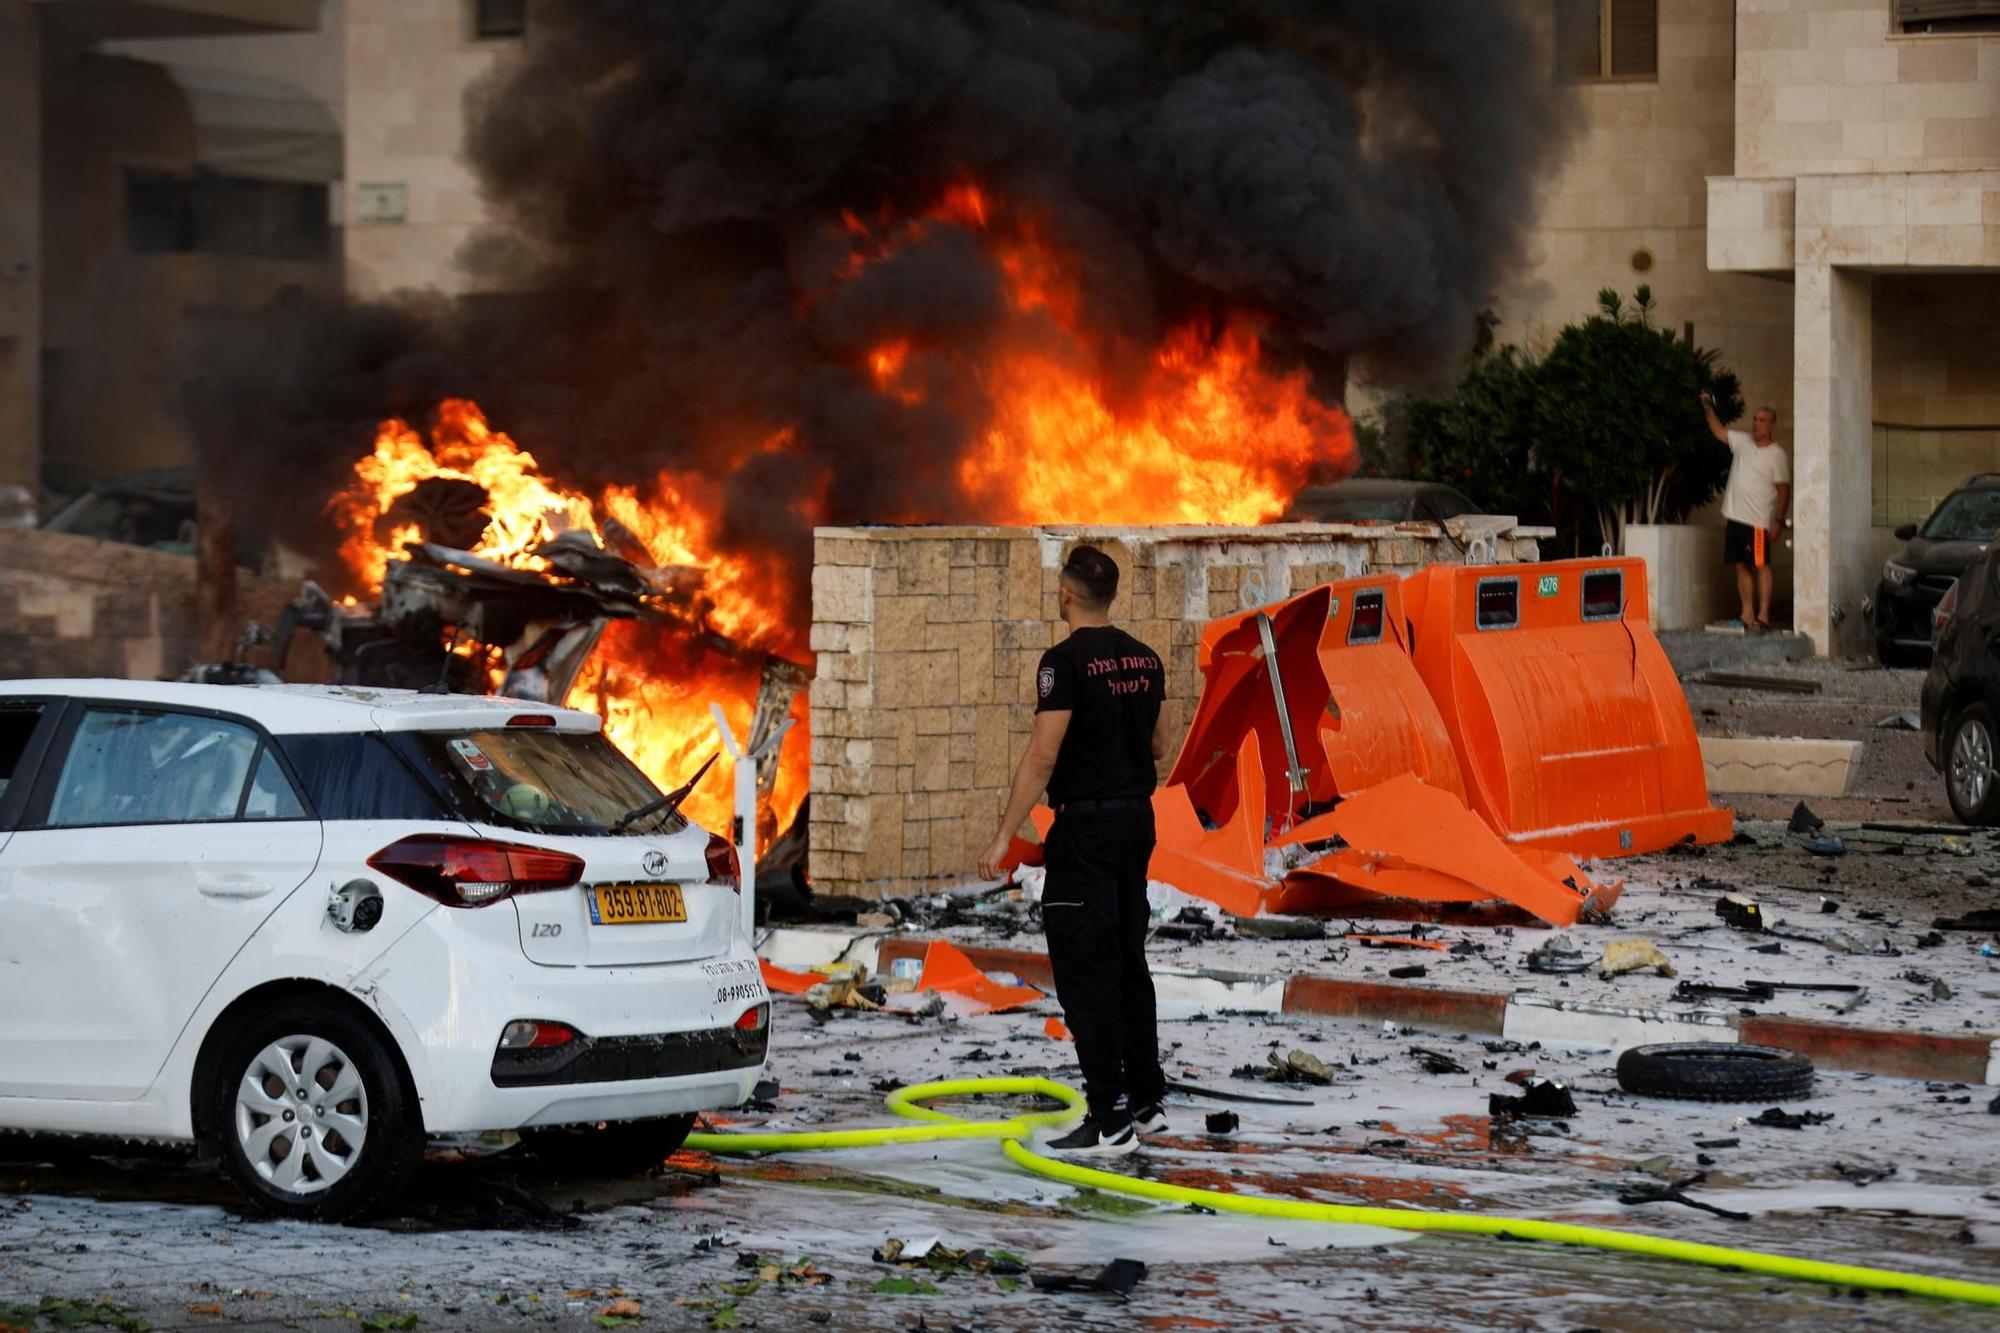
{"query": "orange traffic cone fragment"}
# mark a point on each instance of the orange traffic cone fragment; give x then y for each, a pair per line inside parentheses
(1431, 830)
(787, 983)
(1056, 1030)
(948, 970)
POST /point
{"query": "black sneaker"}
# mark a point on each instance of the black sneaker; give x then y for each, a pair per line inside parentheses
(1150, 1119)
(1113, 1138)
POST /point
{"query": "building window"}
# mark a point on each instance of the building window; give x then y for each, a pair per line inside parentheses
(493, 20)
(1599, 41)
(1948, 15)
(208, 213)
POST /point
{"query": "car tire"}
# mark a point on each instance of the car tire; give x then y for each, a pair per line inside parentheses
(338, 1081)
(619, 1148)
(1715, 1072)
(1971, 782)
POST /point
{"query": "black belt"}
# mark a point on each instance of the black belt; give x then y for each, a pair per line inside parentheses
(1105, 803)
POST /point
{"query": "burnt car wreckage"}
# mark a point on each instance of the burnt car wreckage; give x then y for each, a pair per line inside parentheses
(446, 619)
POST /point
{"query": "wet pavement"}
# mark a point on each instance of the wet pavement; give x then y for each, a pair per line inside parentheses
(1903, 1175)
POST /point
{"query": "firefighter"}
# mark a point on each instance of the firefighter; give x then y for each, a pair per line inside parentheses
(1099, 735)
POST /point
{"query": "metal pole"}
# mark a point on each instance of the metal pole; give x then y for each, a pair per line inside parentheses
(1295, 777)
(744, 824)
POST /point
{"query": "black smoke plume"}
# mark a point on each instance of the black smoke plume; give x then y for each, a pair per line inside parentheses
(667, 182)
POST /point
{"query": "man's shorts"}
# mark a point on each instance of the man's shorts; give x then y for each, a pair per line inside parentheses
(1745, 545)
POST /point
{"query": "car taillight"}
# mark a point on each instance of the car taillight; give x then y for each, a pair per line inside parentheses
(754, 1018)
(529, 1034)
(473, 872)
(723, 867)
(531, 720)
(1946, 609)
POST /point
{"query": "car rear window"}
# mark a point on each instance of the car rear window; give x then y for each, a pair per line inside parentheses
(356, 775)
(1965, 516)
(548, 781)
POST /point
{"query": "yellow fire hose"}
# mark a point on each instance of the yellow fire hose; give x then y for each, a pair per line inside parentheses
(1014, 1133)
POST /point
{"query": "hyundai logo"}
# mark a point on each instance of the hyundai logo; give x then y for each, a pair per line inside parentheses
(655, 863)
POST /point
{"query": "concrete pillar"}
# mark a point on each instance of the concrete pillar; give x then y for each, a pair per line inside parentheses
(20, 246)
(1832, 464)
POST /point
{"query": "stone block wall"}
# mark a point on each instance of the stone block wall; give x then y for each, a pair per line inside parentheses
(928, 637)
(77, 606)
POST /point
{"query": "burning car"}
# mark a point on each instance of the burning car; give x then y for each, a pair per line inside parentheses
(309, 925)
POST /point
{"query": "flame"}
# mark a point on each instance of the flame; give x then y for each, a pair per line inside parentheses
(1199, 429)
(1209, 435)
(651, 686)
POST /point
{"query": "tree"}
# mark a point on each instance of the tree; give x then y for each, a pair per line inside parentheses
(1605, 430)
(1479, 437)
(1618, 420)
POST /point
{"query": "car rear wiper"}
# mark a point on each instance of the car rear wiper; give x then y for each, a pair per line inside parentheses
(669, 803)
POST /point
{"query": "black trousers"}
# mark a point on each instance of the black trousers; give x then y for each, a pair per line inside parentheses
(1095, 915)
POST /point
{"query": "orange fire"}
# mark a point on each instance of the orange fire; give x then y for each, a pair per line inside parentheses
(1210, 434)
(1197, 430)
(652, 693)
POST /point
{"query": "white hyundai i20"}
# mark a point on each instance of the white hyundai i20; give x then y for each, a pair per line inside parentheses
(307, 926)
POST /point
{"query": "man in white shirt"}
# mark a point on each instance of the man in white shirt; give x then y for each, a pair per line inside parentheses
(1754, 505)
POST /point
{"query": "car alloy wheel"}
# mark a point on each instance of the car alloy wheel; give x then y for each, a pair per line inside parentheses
(1971, 765)
(302, 1114)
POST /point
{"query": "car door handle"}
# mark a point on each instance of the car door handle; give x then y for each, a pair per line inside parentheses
(229, 886)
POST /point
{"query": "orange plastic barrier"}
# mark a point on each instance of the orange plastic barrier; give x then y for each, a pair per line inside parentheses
(1571, 730)
(947, 969)
(1358, 711)
(783, 982)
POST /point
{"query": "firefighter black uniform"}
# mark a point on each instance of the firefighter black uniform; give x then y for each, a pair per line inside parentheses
(1094, 907)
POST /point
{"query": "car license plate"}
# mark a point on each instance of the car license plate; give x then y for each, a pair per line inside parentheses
(636, 904)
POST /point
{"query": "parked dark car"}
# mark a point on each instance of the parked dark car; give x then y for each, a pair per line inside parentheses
(1961, 695)
(1377, 500)
(1916, 578)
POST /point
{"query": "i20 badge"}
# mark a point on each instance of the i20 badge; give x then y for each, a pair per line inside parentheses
(655, 863)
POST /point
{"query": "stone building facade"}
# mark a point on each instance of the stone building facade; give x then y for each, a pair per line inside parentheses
(1867, 183)
(927, 640)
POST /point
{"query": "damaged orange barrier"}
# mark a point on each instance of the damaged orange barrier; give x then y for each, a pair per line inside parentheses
(1343, 710)
(1223, 865)
(1570, 727)
(946, 969)
(1431, 831)
(785, 982)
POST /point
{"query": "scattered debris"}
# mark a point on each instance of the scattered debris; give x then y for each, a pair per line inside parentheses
(1395, 941)
(1222, 1122)
(1740, 912)
(1804, 820)
(1676, 1193)
(1558, 954)
(1542, 1099)
(1747, 680)
(1622, 956)
(1903, 721)
(1985, 919)
(1298, 1066)
(1778, 1118)
(1824, 844)
(1405, 973)
(1437, 1062)
(1281, 927)
(1116, 1278)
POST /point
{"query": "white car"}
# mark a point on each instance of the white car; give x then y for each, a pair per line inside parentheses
(307, 926)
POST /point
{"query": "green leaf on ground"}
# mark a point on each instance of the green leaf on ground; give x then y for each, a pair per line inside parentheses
(906, 1286)
(382, 1323)
(1115, 1204)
